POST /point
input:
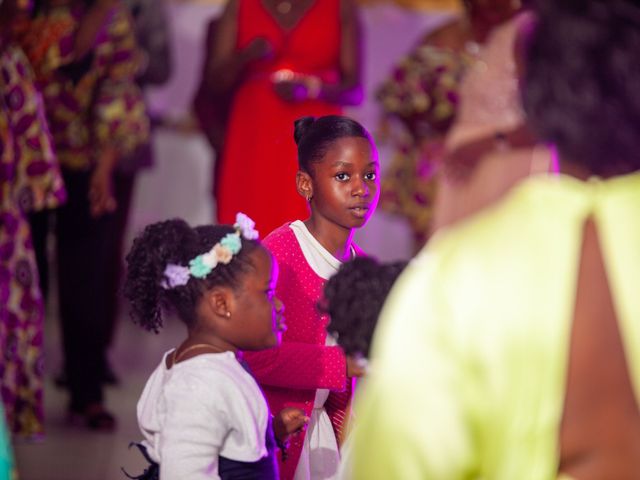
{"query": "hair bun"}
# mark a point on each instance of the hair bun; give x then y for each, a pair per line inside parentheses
(301, 127)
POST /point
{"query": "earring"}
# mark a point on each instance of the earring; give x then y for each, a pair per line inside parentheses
(228, 314)
(308, 197)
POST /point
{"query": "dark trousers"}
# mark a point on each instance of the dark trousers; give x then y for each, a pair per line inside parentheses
(83, 246)
(123, 185)
(83, 292)
(39, 222)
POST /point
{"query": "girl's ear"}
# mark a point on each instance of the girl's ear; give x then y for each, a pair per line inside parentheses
(220, 301)
(304, 184)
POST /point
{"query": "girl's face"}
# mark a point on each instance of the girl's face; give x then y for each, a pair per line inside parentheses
(345, 183)
(257, 317)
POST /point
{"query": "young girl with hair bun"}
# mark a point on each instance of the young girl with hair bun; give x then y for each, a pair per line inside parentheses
(202, 413)
(338, 177)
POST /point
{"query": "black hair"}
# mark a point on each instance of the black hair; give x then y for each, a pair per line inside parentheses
(175, 242)
(353, 298)
(314, 136)
(581, 80)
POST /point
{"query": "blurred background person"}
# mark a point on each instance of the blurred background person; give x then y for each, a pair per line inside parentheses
(152, 36)
(85, 58)
(285, 60)
(510, 347)
(211, 106)
(30, 181)
(422, 98)
(490, 146)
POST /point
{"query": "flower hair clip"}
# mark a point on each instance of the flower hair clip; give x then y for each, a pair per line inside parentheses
(221, 253)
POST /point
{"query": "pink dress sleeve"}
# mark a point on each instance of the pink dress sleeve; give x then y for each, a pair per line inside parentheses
(300, 365)
(303, 361)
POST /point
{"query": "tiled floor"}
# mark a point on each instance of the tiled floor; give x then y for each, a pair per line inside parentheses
(74, 453)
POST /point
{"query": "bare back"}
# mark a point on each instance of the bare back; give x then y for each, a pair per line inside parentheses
(600, 430)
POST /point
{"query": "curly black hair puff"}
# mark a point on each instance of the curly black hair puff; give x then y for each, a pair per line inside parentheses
(175, 242)
(581, 80)
(353, 298)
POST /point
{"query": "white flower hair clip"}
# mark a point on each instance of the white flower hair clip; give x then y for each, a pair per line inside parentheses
(222, 252)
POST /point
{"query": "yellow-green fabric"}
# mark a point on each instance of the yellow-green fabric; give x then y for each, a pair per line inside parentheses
(470, 357)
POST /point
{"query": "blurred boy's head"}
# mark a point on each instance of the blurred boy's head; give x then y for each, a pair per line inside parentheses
(353, 298)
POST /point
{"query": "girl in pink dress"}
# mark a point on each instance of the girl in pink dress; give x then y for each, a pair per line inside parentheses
(338, 177)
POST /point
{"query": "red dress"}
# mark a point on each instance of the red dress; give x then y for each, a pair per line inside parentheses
(259, 164)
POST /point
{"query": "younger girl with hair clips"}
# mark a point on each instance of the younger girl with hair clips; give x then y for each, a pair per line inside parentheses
(202, 414)
(338, 176)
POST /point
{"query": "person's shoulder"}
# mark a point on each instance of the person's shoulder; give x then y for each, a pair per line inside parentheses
(502, 237)
(280, 239)
(214, 377)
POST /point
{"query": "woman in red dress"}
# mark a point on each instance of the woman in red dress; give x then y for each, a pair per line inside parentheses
(283, 59)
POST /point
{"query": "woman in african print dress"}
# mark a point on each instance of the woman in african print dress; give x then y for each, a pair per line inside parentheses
(422, 97)
(30, 181)
(85, 58)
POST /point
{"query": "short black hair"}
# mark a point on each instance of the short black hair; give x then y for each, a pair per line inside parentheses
(353, 299)
(314, 136)
(581, 80)
(175, 242)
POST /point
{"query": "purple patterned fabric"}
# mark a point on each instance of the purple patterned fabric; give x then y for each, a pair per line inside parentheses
(101, 109)
(30, 181)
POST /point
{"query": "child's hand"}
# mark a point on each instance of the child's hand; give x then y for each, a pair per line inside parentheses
(355, 367)
(288, 421)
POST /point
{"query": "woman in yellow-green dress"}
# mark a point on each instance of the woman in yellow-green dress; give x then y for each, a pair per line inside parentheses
(510, 348)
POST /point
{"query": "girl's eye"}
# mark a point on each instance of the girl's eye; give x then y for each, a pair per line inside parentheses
(371, 176)
(342, 177)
